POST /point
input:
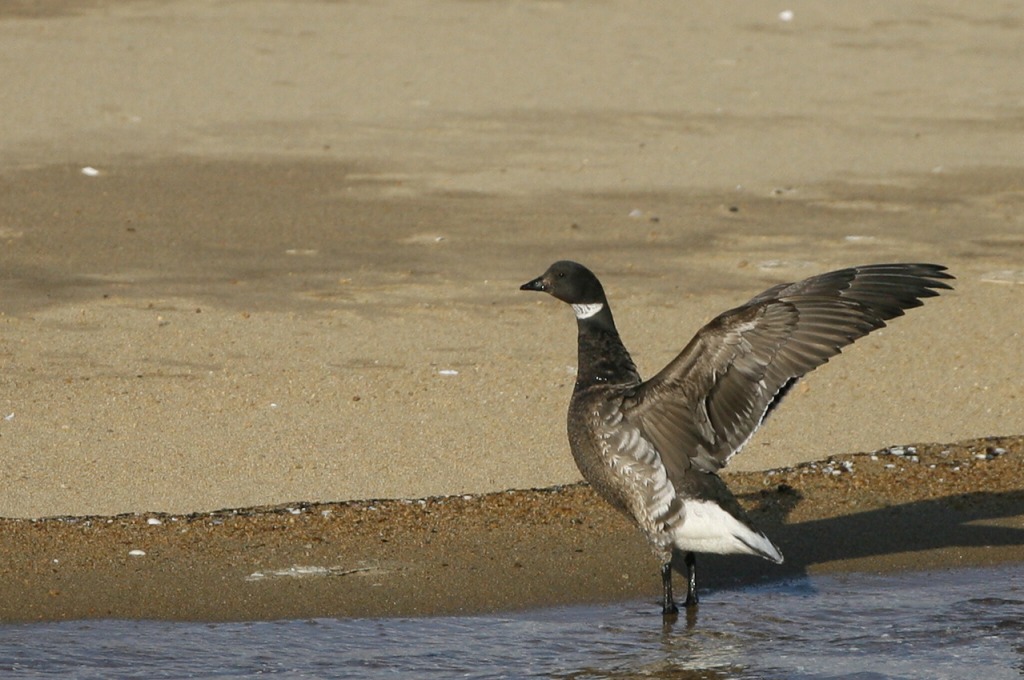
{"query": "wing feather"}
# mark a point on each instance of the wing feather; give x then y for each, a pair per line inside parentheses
(702, 407)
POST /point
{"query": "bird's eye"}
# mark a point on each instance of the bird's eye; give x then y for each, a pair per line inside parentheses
(561, 275)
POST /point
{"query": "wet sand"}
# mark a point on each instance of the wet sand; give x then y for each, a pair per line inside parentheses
(290, 277)
(931, 507)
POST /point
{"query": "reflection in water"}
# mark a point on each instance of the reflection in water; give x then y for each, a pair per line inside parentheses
(954, 624)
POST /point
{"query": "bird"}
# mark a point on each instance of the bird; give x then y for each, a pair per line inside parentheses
(653, 448)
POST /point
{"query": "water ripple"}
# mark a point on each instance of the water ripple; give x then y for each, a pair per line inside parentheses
(952, 624)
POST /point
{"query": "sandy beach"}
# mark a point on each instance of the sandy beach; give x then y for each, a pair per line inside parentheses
(929, 507)
(266, 255)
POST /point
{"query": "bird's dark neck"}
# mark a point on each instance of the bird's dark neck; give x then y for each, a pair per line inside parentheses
(602, 357)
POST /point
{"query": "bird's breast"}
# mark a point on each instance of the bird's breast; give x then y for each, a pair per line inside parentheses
(620, 463)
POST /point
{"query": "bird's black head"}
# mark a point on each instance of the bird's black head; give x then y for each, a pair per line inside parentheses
(569, 282)
(602, 358)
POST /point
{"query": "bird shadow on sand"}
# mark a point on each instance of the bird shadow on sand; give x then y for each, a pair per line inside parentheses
(929, 533)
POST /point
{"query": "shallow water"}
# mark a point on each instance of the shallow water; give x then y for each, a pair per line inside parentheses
(956, 624)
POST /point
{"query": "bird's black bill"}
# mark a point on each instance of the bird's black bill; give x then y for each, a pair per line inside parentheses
(536, 284)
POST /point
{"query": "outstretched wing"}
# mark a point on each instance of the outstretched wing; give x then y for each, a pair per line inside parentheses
(704, 406)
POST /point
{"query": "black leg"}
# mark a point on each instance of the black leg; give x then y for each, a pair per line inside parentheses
(691, 580)
(668, 607)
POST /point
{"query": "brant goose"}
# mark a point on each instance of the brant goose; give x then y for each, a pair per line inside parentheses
(653, 448)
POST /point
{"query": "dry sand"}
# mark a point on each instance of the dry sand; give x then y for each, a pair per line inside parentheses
(306, 216)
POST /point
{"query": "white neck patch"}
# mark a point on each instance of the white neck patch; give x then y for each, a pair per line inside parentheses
(587, 311)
